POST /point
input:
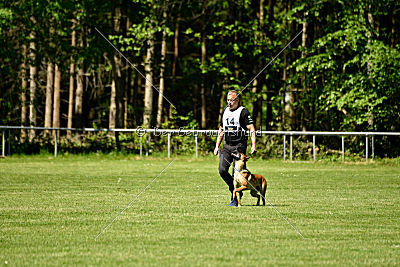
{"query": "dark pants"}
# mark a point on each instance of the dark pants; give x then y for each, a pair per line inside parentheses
(226, 160)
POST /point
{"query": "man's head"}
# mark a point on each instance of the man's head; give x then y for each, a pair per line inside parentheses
(232, 99)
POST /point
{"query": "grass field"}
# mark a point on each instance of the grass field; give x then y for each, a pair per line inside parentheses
(52, 209)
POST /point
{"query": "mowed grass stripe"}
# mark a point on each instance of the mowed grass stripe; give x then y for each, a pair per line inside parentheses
(51, 210)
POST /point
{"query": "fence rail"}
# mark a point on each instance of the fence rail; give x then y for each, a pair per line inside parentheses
(195, 133)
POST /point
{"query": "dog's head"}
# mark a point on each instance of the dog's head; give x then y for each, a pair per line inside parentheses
(240, 156)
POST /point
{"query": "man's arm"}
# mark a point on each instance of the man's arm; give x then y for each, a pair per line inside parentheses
(252, 130)
(219, 139)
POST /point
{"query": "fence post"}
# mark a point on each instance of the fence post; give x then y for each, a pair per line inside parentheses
(291, 147)
(9, 143)
(342, 148)
(147, 145)
(284, 147)
(55, 144)
(4, 144)
(366, 148)
(373, 149)
(169, 145)
(313, 147)
(141, 145)
(197, 151)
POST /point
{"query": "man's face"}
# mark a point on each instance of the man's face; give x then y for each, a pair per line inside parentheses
(233, 101)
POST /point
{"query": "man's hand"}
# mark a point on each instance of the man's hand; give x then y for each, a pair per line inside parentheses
(219, 139)
(253, 149)
(253, 138)
(216, 150)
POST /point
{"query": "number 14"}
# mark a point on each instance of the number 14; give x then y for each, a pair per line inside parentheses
(231, 122)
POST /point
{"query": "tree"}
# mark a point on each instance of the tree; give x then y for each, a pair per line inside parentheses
(57, 100)
(24, 86)
(32, 84)
(162, 70)
(71, 79)
(49, 95)
(148, 94)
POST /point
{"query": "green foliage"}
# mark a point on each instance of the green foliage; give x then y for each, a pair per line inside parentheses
(344, 77)
(357, 74)
(6, 17)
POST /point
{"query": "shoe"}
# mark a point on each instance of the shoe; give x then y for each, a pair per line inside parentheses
(233, 203)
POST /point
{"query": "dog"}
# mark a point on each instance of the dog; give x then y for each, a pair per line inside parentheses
(244, 180)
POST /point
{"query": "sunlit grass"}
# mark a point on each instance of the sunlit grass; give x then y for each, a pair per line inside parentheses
(52, 209)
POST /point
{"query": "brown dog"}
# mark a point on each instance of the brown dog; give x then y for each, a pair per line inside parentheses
(244, 180)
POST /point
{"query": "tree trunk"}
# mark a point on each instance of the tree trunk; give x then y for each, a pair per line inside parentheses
(120, 80)
(268, 118)
(32, 85)
(126, 97)
(128, 87)
(56, 102)
(125, 103)
(176, 49)
(138, 85)
(371, 23)
(79, 97)
(79, 90)
(256, 107)
(292, 113)
(78, 116)
(115, 120)
(272, 91)
(284, 78)
(258, 83)
(24, 86)
(71, 83)
(292, 97)
(162, 68)
(49, 96)
(202, 88)
(148, 93)
(175, 60)
(112, 120)
(306, 112)
(222, 102)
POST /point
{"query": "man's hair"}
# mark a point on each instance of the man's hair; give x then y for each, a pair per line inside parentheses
(233, 92)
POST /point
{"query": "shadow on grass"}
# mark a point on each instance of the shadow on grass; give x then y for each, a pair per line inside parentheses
(266, 205)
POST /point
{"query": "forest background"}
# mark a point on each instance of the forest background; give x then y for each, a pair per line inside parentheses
(340, 74)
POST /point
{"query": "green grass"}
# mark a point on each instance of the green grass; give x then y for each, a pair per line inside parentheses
(52, 209)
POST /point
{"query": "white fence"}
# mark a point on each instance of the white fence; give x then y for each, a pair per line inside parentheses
(195, 133)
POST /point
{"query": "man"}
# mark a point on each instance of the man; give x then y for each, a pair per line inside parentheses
(235, 121)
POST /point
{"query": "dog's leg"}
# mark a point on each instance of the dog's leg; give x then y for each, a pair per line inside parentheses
(257, 178)
(263, 189)
(236, 192)
(238, 199)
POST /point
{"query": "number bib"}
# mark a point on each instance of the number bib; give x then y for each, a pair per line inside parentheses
(231, 124)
